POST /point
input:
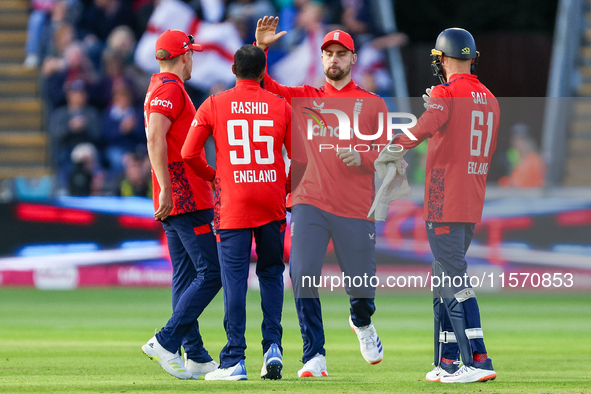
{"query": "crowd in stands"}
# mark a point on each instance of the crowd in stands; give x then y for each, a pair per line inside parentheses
(96, 58)
(527, 168)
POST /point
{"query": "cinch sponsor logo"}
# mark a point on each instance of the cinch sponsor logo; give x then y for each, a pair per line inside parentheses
(436, 106)
(162, 103)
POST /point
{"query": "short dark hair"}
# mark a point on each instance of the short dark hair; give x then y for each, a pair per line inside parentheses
(249, 62)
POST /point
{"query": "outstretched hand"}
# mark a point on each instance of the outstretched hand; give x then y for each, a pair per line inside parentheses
(349, 157)
(427, 97)
(266, 32)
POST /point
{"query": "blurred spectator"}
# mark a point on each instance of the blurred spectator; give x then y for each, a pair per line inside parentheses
(371, 70)
(107, 70)
(98, 20)
(136, 180)
(67, 11)
(100, 17)
(79, 181)
(530, 169)
(59, 34)
(38, 22)
(84, 179)
(302, 65)
(75, 65)
(249, 12)
(356, 19)
(123, 128)
(71, 125)
(123, 42)
(114, 71)
(63, 36)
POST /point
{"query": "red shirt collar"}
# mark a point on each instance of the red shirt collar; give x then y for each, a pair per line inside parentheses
(248, 83)
(459, 76)
(171, 76)
(350, 86)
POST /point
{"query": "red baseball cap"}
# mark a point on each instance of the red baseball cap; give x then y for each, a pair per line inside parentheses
(338, 37)
(176, 43)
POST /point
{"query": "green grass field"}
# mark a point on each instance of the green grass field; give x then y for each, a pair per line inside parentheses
(89, 341)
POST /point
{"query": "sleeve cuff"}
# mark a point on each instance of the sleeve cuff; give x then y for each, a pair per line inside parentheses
(367, 162)
(210, 173)
(266, 49)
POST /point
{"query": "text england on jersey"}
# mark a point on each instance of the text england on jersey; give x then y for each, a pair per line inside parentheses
(254, 176)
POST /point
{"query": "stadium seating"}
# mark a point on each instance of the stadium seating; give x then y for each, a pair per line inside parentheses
(22, 144)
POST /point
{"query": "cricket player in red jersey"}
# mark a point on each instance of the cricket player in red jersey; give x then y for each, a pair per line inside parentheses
(333, 198)
(184, 204)
(462, 122)
(250, 126)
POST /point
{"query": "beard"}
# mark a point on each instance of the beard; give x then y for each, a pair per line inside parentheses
(338, 74)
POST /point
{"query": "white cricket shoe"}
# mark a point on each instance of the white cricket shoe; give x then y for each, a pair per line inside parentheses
(170, 362)
(198, 369)
(478, 372)
(272, 364)
(235, 372)
(442, 370)
(369, 343)
(315, 367)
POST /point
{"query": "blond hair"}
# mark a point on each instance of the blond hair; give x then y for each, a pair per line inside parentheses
(163, 53)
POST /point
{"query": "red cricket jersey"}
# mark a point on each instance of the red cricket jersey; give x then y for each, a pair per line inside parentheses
(250, 127)
(462, 121)
(167, 96)
(328, 183)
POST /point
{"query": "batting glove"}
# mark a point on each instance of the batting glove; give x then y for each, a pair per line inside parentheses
(427, 97)
(390, 154)
(394, 187)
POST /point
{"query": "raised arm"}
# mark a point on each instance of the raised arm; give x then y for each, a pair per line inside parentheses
(436, 115)
(266, 35)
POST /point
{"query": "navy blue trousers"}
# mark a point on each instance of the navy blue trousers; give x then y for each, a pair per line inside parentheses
(354, 245)
(234, 248)
(195, 280)
(449, 243)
